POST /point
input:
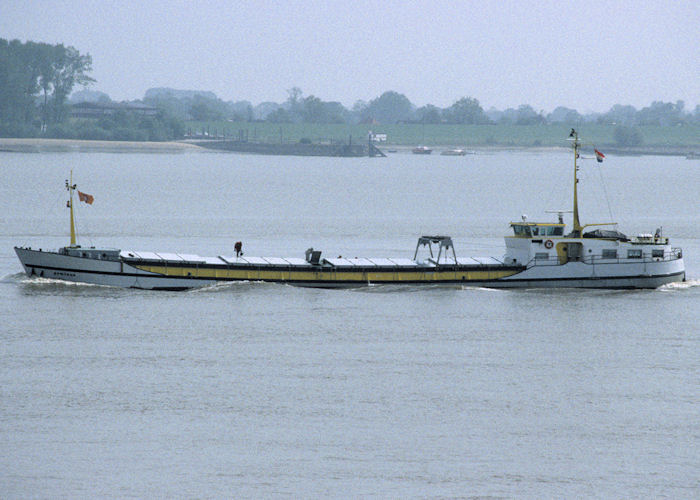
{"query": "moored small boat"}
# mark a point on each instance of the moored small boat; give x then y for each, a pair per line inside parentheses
(422, 150)
(454, 152)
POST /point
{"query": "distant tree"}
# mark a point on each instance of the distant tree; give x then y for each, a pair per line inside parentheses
(198, 105)
(661, 114)
(528, 116)
(314, 110)
(86, 95)
(207, 109)
(695, 116)
(508, 116)
(311, 109)
(243, 110)
(358, 112)
(429, 114)
(170, 104)
(294, 95)
(335, 112)
(60, 68)
(161, 127)
(619, 115)
(294, 104)
(627, 136)
(390, 107)
(466, 110)
(263, 110)
(494, 114)
(591, 117)
(359, 106)
(562, 114)
(280, 115)
(122, 125)
(70, 68)
(19, 84)
(35, 82)
(26, 69)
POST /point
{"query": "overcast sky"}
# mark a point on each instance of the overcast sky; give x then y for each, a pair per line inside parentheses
(587, 54)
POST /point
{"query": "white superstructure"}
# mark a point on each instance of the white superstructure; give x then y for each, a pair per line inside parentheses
(597, 258)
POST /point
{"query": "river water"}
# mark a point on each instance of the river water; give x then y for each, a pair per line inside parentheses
(266, 390)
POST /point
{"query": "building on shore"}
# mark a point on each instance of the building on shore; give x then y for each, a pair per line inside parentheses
(102, 109)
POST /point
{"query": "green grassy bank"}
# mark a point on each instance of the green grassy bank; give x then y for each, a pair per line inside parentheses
(685, 137)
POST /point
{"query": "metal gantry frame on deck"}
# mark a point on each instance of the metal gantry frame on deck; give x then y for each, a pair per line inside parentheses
(443, 242)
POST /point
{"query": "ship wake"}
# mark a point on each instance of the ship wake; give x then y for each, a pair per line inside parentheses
(681, 285)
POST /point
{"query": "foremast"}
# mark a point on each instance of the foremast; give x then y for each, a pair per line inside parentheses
(71, 187)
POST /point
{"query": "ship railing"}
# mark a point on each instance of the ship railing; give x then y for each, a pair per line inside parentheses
(550, 260)
(645, 258)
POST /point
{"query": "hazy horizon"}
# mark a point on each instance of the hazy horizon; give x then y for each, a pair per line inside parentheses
(504, 54)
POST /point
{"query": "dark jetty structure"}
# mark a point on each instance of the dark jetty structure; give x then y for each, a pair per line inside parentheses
(302, 148)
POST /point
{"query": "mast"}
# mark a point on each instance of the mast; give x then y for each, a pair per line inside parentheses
(71, 187)
(577, 224)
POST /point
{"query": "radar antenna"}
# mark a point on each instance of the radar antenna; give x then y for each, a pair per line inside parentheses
(560, 214)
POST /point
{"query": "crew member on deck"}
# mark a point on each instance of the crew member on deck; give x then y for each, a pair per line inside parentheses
(238, 247)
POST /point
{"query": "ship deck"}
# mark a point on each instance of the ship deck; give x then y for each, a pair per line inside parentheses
(330, 271)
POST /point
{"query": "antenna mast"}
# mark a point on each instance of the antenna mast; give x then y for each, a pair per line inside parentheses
(71, 187)
(573, 136)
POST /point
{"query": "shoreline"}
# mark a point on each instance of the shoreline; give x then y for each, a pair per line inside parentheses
(41, 145)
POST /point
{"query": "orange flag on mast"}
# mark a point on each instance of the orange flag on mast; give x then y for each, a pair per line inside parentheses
(87, 198)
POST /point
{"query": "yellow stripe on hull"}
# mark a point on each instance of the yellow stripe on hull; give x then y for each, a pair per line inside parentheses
(330, 276)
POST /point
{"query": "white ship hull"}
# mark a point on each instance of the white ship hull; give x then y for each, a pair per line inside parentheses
(129, 273)
(52, 265)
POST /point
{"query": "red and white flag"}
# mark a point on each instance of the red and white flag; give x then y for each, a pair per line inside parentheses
(599, 156)
(87, 198)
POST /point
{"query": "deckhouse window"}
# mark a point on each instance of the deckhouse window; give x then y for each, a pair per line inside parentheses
(531, 230)
(521, 230)
(634, 254)
(609, 253)
(657, 253)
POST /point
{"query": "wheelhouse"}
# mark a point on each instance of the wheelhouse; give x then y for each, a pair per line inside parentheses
(537, 229)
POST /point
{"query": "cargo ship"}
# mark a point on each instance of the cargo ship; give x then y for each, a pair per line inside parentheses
(537, 255)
